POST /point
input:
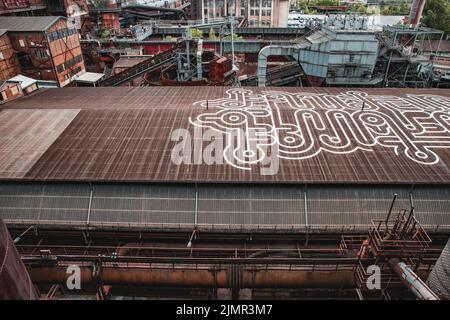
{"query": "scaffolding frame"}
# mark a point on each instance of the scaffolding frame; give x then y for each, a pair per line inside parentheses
(405, 69)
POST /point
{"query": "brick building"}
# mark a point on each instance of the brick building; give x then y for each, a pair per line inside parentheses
(22, 7)
(9, 90)
(9, 64)
(46, 48)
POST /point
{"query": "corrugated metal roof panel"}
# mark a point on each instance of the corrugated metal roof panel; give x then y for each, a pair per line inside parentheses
(27, 24)
(126, 135)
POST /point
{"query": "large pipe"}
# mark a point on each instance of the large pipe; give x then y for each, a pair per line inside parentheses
(412, 280)
(264, 53)
(135, 276)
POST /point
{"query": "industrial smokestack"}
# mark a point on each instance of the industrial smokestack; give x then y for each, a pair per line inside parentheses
(439, 278)
(416, 13)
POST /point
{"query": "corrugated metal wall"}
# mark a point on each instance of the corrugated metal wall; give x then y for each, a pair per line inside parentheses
(282, 205)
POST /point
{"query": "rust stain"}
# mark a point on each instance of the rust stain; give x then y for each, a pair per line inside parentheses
(123, 134)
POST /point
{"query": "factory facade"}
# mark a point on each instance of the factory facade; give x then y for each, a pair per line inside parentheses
(42, 47)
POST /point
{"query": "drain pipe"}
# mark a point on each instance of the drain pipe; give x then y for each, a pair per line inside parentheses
(88, 219)
(305, 196)
(412, 280)
(264, 53)
(199, 59)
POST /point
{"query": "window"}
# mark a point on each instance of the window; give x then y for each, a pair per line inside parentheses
(62, 33)
(14, 90)
(1, 56)
(42, 53)
(69, 64)
(25, 60)
(21, 43)
(70, 74)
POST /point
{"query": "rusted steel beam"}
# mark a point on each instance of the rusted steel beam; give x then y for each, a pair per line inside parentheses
(200, 260)
(197, 278)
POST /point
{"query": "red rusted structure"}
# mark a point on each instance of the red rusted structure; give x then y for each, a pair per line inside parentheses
(68, 159)
(46, 47)
(15, 283)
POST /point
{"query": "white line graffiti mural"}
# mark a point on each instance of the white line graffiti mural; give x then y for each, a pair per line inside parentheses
(302, 125)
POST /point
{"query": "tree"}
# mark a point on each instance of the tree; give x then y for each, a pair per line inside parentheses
(212, 34)
(361, 9)
(196, 33)
(105, 35)
(404, 9)
(437, 15)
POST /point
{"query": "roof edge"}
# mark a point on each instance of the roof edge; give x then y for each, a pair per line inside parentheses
(57, 18)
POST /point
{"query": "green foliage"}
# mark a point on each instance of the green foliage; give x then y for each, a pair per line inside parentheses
(324, 2)
(361, 9)
(437, 15)
(105, 35)
(235, 37)
(95, 3)
(212, 34)
(197, 33)
(396, 10)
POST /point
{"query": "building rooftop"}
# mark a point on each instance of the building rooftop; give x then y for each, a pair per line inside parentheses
(25, 82)
(317, 135)
(89, 77)
(28, 24)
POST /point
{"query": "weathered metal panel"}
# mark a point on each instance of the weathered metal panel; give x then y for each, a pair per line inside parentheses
(439, 278)
(274, 205)
(44, 202)
(15, 283)
(30, 24)
(143, 204)
(250, 205)
(127, 135)
(26, 134)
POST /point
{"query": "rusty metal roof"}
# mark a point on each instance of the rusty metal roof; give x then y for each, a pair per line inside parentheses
(28, 24)
(322, 135)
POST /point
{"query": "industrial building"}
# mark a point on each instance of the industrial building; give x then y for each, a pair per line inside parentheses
(257, 13)
(22, 7)
(41, 47)
(136, 180)
(207, 150)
